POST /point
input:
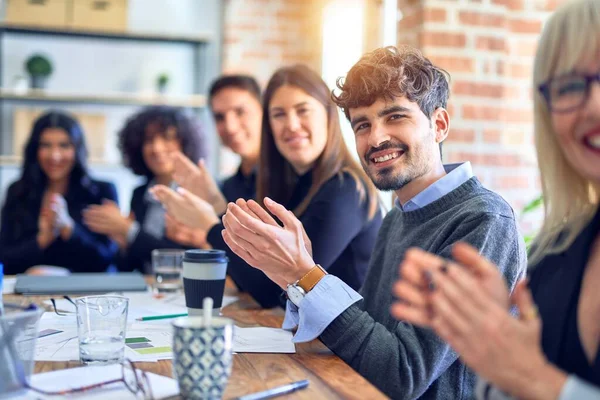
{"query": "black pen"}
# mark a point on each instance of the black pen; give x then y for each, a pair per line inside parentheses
(278, 391)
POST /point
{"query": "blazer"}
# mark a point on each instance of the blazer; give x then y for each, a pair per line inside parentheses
(555, 283)
(85, 251)
(138, 255)
(337, 223)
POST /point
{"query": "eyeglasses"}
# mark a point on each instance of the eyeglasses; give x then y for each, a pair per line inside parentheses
(136, 381)
(62, 314)
(568, 92)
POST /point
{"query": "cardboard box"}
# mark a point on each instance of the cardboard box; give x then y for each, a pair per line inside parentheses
(42, 13)
(99, 15)
(93, 125)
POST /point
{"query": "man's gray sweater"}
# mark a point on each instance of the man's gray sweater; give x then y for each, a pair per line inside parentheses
(402, 360)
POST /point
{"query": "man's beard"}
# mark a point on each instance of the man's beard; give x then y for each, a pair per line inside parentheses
(396, 177)
(386, 180)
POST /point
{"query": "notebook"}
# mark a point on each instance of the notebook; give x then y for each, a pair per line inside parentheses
(80, 283)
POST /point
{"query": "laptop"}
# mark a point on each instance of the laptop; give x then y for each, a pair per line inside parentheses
(80, 283)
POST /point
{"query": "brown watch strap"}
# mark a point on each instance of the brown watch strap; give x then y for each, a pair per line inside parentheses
(312, 277)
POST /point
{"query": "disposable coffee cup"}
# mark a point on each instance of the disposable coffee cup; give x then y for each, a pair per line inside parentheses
(204, 273)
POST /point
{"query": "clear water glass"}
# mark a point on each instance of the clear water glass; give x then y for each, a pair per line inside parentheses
(101, 327)
(166, 267)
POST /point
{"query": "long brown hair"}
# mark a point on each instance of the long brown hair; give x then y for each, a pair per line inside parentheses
(276, 177)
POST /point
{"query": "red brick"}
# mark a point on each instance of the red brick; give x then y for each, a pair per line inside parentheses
(435, 15)
(492, 136)
(491, 43)
(510, 4)
(410, 21)
(520, 70)
(453, 64)
(443, 39)
(461, 135)
(477, 89)
(481, 19)
(229, 40)
(489, 159)
(525, 48)
(525, 26)
(479, 112)
(518, 115)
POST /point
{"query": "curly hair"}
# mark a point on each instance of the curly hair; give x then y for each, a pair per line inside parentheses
(390, 72)
(132, 136)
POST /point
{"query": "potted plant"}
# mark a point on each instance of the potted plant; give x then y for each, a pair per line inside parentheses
(39, 69)
(161, 82)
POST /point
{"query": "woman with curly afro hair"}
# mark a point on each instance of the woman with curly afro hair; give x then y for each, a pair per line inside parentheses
(148, 142)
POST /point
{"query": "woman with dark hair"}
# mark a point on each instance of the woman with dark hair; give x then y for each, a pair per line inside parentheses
(42, 215)
(148, 142)
(305, 165)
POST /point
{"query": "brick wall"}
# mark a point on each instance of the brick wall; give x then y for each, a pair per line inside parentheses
(488, 47)
(263, 35)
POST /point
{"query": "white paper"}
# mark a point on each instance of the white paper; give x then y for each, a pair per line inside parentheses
(262, 340)
(64, 346)
(145, 305)
(162, 387)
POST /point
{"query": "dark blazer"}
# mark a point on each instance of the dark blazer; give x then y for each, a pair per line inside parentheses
(138, 255)
(85, 251)
(555, 283)
(337, 223)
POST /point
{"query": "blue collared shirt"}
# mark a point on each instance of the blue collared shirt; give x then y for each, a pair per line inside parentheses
(331, 296)
(456, 175)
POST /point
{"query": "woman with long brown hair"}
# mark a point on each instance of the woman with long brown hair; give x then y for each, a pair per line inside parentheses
(305, 165)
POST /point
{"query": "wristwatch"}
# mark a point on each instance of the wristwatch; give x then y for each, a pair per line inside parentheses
(297, 290)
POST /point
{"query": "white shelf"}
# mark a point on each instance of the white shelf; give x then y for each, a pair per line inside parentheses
(119, 98)
(139, 36)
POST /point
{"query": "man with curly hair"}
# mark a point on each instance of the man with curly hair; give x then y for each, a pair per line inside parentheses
(395, 100)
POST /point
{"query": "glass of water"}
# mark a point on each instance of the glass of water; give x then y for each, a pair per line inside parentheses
(101, 324)
(166, 267)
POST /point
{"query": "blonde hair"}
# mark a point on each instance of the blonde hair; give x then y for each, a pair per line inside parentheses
(571, 36)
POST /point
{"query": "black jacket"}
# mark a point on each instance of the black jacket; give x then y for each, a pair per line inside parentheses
(85, 251)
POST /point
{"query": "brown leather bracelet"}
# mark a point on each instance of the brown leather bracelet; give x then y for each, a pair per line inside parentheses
(311, 278)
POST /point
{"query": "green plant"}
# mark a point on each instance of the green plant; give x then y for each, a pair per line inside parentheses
(38, 65)
(529, 208)
(162, 79)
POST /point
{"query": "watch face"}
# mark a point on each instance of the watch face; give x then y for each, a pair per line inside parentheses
(295, 294)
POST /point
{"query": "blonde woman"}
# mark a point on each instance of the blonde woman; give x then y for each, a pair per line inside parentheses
(551, 350)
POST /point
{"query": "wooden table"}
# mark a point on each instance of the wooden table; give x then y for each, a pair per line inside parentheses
(329, 376)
